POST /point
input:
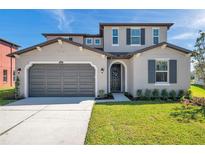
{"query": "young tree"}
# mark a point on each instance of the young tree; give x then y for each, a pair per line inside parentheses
(198, 56)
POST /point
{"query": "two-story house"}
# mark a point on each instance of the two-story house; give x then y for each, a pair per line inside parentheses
(7, 64)
(123, 57)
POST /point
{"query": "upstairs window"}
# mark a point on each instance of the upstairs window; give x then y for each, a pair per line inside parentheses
(162, 71)
(135, 36)
(5, 76)
(68, 38)
(115, 36)
(97, 41)
(155, 33)
(89, 41)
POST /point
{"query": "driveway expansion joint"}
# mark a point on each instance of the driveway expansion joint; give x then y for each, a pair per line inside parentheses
(4, 132)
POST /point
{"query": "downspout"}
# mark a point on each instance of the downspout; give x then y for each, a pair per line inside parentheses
(11, 81)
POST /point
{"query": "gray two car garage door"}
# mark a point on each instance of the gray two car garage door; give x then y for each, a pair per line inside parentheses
(54, 80)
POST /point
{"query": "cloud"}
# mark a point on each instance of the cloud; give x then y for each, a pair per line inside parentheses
(193, 19)
(64, 20)
(199, 20)
(184, 36)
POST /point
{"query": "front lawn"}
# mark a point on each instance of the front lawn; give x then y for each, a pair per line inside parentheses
(6, 96)
(197, 91)
(142, 123)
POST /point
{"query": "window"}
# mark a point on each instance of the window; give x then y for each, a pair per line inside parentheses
(89, 41)
(135, 36)
(115, 36)
(14, 76)
(155, 33)
(97, 41)
(69, 38)
(162, 71)
(4, 75)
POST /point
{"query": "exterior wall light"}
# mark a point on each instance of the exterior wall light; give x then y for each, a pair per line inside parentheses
(102, 70)
(18, 70)
(60, 62)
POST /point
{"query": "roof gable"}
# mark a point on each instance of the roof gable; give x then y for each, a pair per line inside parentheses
(19, 52)
(172, 46)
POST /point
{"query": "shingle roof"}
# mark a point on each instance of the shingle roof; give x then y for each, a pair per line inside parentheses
(8, 42)
(160, 44)
(70, 34)
(55, 40)
(121, 55)
(168, 25)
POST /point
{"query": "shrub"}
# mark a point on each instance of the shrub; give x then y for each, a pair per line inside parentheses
(109, 95)
(172, 94)
(164, 94)
(199, 101)
(8, 95)
(188, 94)
(147, 94)
(17, 88)
(181, 94)
(128, 95)
(139, 93)
(101, 93)
(155, 93)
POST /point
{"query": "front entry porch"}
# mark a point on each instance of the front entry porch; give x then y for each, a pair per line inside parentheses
(117, 77)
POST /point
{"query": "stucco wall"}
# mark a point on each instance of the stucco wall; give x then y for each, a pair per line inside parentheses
(78, 39)
(127, 69)
(141, 69)
(93, 45)
(123, 47)
(5, 64)
(67, 53)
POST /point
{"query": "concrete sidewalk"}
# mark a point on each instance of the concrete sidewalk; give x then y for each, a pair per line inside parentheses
(118, 97)
(35, 121)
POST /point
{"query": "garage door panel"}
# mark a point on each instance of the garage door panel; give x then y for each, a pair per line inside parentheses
(62, 80)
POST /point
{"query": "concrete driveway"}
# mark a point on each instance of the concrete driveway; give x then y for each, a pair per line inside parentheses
(53, 120)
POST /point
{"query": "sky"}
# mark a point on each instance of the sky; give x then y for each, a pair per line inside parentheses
(25, 27)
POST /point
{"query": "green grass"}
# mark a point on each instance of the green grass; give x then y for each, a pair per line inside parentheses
(197, 91)
(7, 92)
(141, 123)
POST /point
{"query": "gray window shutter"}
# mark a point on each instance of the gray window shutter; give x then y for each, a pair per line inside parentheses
(151, 71)
(142, 36)
(172, 71)
(128, 34)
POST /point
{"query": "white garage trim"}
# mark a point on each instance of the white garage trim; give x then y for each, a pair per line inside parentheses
(123, 63)
(26, 84)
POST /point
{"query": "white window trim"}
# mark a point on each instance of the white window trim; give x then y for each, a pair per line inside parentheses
(155, 36)
(162, 83)
(139, 28)
(97, 39)
(115, 36)
(89, 43)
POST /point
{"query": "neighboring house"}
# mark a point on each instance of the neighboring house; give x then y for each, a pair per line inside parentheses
(123, 57)
(7, 64)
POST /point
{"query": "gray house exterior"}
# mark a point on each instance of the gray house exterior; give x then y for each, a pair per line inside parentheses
(123, 57)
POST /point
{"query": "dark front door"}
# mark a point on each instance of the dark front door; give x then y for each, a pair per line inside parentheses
(115, 78)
